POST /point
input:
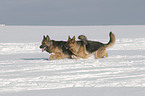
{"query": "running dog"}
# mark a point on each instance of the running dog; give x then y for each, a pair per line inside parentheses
(56, 48)
(85, 48)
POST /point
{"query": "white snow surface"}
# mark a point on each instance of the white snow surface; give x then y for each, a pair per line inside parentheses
(26, 71)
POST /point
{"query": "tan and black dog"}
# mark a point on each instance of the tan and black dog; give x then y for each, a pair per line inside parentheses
(86, 48)
(56, 48)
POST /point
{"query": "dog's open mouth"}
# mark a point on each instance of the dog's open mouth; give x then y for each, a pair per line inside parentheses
(43, 49)
(66, 47)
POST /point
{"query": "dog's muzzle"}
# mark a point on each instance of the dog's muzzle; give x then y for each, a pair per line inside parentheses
(66, 46)
(43, 48)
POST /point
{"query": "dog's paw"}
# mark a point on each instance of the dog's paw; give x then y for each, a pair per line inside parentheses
(52, 53)
(74, 57)
(104, 57)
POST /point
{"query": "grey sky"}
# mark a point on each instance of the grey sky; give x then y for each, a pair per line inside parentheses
(72, 12)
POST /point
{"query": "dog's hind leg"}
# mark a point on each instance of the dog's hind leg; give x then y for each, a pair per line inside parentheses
(101, 53)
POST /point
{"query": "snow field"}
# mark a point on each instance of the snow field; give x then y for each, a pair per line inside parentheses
(24, 67)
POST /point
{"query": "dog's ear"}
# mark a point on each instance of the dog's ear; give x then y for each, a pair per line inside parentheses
(73, 38)
(43, 36)
(69, 38)
(48, 39)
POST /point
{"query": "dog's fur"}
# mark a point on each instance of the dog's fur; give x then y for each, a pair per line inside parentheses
(57, 48)
(85, 48)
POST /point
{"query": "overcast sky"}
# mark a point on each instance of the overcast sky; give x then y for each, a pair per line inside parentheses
(72, 12)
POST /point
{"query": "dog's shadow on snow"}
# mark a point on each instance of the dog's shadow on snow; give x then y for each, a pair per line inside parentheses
(34, 58)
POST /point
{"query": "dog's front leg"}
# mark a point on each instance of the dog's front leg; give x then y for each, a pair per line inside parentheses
(73, 51)
(81, 52)
(101, 53)
(51, 56)
(74, 57)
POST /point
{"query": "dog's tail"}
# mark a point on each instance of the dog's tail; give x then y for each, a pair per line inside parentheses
(111, 41)
(83, 38)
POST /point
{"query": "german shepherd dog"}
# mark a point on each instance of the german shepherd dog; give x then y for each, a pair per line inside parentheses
(56, 48)
(85, 48)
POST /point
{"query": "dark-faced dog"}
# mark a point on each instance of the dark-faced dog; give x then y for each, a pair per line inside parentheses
(85, 48)
(57, 48)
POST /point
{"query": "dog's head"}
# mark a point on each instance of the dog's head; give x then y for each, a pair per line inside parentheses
(46, 44)
(70, 42)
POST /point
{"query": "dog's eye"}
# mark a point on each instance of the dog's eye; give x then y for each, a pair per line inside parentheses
(44, 43)
(73, 41)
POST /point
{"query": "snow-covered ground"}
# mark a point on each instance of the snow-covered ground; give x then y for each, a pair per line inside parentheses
(26, 71)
